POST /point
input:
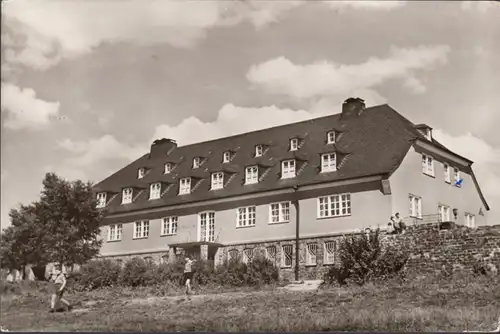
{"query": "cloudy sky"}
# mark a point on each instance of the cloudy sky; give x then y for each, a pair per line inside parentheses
(87, 85)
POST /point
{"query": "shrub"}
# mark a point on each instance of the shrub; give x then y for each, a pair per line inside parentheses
(257, 272)
(138, 272)
(204, 272)
(261, 271)
(364, 258)
(170, 273)
(96, 274)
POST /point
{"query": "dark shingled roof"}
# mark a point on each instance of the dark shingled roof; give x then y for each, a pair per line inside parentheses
(373, 143)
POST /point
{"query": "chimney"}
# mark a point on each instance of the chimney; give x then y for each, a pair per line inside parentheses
(352, 107)
(162, 147)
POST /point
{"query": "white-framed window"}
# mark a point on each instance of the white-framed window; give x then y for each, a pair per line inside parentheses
(251, 175)
(141, 229)
(115, 232)
(101, 200)
(286, 256)
(245, 216)
(207, 226)
(169, 225)
(247, 255)
(196, 162)
(334, 206)
(329, 252)
(155, 190)
(185, 186)
(415, 206)
(470, 220)
(217, 180)
(427, 165)
(428, 134)
(444, 213)
(328, 162)
(168, 168)
(330, 137)
(294, 144)
(233, 254)
(127, 195)
(141, 172)
(226, 157)
(271, 253)
(312, 252)
(288, 169)
(279, 212)
(447, 173)
(456, 176)
(259, 150)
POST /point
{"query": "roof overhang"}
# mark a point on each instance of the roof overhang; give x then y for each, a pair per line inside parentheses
(194, 244)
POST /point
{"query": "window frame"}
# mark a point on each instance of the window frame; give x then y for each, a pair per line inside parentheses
(444, 212)
(248, 220)
(196, 162)
(272, 256)
(127, 196)
(186, 188)
(470, 220)
(143, 231)
(325, 168)
(326, 253)
(294, 144)
(456, 176)
(217, 180)
(283, 207)
(428, 165)
(209, 218)
(141, 172)
(414, 200)
(226, 157)
(340, 202)
(116, 230)
(284, 256)
(309, 254)
(156, 192)
(254, 176)
(289, 172)
(248, 254)
(259, 150)
(101, 200)
(167, 168)
(447, 173)
(331, 137)
(169, 225)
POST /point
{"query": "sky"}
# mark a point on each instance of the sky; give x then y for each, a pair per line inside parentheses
(88, 85)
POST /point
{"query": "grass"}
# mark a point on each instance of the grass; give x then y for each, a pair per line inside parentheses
(448, 304)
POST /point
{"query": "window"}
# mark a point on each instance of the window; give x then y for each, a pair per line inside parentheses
(328, 162)
(330, 137)
(329, 252)
(246, 216)
(259, 150)
(271, 253)
(226, 157)
(286, 256)
(127, 195)
(415, 206)
(207, 226)
(184, 186)
(427, 165)
(251, 175)
(470, 220)
(288, 169)
(294, 144)
(428, 134)
(447, 174)
(196, 162)
(444, 213)
(456, 177)
(141, 229)
(312, 251)
(141, 173)
(217, 180)
(155, 190)
(280, 212)
(164, 259)
(168, 168)
(334, 206)
(233, 254)
(115, 232)
(101, 200)
(169, 225)
(247, 255)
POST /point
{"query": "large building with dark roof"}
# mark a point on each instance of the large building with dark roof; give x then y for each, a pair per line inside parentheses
(258, 191)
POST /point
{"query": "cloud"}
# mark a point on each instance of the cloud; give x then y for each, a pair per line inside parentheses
(24, 109)
(366, 5)
(480, 6)
(414, 85)
(281, 76)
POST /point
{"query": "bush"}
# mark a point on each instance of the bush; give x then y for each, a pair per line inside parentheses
(363, 258)
(138, 272)
(96, 274)
(257, 272)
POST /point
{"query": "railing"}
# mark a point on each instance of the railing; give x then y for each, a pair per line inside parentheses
(432, 219)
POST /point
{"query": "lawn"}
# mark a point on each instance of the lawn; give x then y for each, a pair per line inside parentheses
(426, 304)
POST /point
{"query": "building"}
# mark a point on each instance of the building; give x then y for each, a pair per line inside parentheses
(250, 193)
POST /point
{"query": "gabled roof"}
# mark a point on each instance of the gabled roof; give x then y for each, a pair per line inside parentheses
(373, 143)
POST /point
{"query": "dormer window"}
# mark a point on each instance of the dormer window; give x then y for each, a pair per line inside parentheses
(259, 150)
(251, 175)
(185, 186)
(226, 157)
(328, 162)
(294, 144)
(101, 200)
(428, 134)
(330, 137)
(196, 162)
(168, 168)
(217, 180)
(288, 169)
(127, 195)
(155, 190)
(141, 172)
(425, 130)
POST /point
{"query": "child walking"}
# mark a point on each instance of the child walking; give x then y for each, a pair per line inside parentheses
(188, 276)
(58, 279)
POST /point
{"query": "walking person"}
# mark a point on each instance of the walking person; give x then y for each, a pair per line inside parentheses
(58, 280)
(400, 223)
(188, 276)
